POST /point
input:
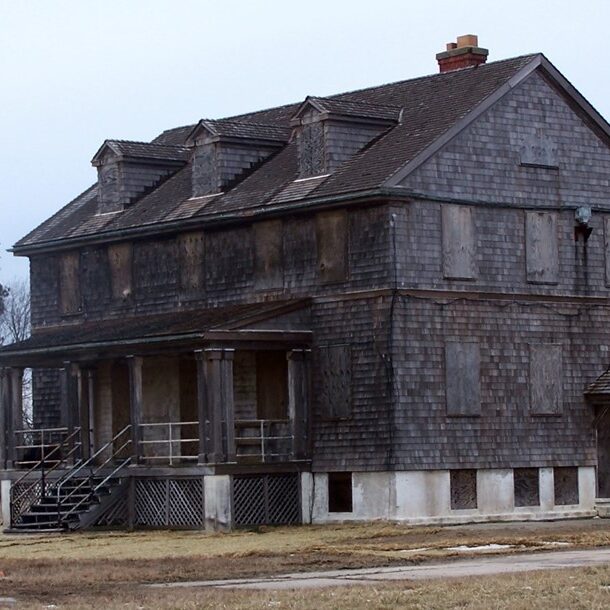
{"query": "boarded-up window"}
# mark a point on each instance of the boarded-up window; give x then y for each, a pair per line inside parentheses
(331, 236)
(459, 255)
(119, 258)
(268, 259)
(463, 484)
(69, 283)
(155, 265)
(462, 376)
(336, 381)
(527, 486)
(192, 252)
(607, 247)
(566, 485)
(546, 379)
(542, 249)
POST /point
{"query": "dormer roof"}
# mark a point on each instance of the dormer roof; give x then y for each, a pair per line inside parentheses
(223, 130)
(127, 149)
(345, 108)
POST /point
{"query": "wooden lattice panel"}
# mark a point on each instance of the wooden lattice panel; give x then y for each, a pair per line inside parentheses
(169, 502)
(266, 499)
(117, 515)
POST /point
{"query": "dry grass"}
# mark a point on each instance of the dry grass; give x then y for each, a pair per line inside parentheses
(103, 570)
(587, 588)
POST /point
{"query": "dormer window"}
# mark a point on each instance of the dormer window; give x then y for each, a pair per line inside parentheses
(128, 170)
(331, 131)
(225, 151)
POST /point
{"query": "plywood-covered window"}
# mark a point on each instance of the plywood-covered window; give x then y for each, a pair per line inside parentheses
(192, 252)
(566, 485)
(463, 487)
(69, 283)
(527, 486)
(459, 250)
(119, 259)
(268, 255)
(546, 379)
(541, 248)
(336, 381)
(332, 240)
(462, 378)
(607, 248)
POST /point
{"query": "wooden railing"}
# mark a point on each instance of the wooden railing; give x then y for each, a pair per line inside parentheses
(169, 442)
(263, 440)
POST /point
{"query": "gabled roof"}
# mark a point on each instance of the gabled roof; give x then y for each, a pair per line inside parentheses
(141, 150)
(350, 108)
(431, 111)
(240, 131)
(601, 386)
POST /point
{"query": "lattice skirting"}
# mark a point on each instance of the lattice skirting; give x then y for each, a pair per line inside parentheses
(266, 499)
(169, 503)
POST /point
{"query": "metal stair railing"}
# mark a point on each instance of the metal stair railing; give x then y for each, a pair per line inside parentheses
(94, 470)
(18, 507)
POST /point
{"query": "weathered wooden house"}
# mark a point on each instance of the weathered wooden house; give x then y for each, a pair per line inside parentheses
(384, 304)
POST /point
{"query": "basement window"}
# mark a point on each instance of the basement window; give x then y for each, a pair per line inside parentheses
(463, 485)
(527, 487)
(340, 492)
(566, 486)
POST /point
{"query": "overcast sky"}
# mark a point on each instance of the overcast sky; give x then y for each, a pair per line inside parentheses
(73, 73)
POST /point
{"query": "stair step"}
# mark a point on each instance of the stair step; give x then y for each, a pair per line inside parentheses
(25, 530)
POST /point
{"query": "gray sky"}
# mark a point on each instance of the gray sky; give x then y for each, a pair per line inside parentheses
(74, 73)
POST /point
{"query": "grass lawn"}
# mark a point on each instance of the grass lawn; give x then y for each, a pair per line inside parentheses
(104, 570)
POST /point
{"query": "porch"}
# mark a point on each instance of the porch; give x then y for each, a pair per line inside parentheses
(157, 410)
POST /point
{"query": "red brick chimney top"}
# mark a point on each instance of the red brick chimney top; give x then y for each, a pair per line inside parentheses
(464, 53)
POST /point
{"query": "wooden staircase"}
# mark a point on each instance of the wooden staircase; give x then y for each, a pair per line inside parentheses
(76, 505)
(78, 497)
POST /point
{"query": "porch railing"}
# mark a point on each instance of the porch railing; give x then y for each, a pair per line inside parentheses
(35, 446)
(35, 483)
(264, 440)
(169, 442)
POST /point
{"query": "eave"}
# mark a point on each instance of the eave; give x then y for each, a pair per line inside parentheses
(216, 220)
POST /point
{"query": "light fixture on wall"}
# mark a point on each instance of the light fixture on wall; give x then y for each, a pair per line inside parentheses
(582, 216)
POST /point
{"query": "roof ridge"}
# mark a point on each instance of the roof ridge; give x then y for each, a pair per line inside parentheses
(436, 75)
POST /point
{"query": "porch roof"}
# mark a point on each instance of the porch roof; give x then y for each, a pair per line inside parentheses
(601, 386)
(153, 332)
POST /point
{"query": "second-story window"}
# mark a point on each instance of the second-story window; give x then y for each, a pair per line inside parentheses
(332, 240)
(119, 258)
(541, 248)
(459, 250)
(268, 255)
(69, 283)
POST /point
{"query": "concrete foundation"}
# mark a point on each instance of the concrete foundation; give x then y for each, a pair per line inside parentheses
(424, 497)
(5, 501)
(217, 493)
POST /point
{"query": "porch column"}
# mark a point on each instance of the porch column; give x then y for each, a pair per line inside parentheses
(135, 403)
(69, 400)
(298, 400)
(5, 410)
(90, 436)
(215, 405)
(14, 413)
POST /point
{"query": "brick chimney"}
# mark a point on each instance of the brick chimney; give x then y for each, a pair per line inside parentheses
(464, 53)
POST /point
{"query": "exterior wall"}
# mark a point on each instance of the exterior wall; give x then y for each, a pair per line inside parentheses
(483, 162)
(506, 434)
(423, 497)
(227, 258)
(362, 440)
